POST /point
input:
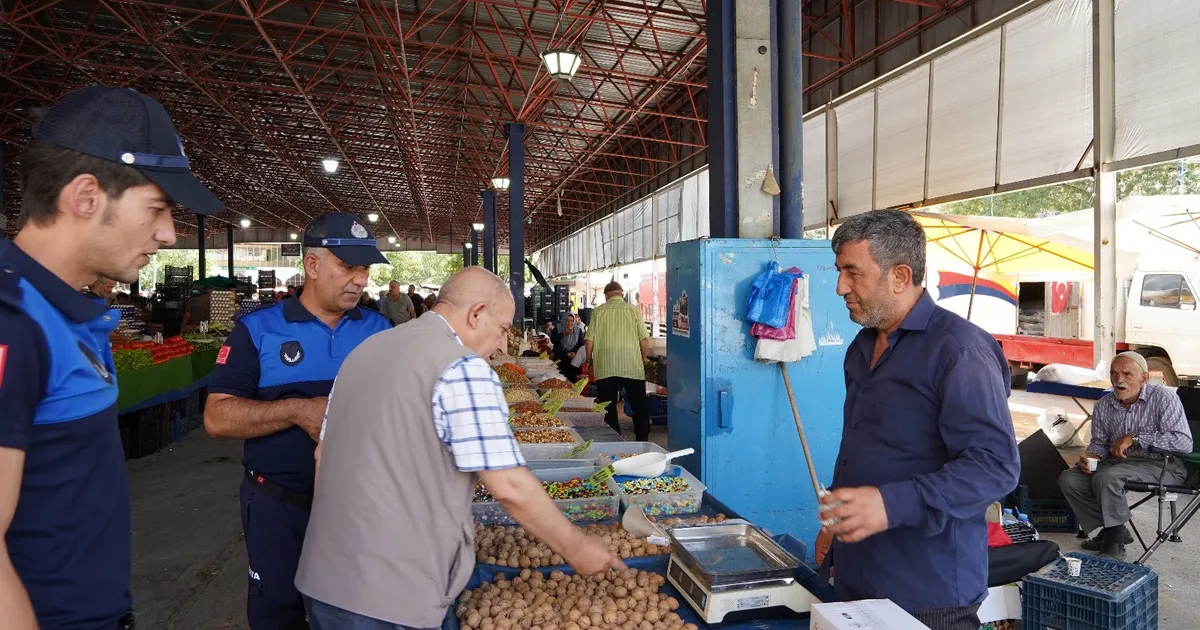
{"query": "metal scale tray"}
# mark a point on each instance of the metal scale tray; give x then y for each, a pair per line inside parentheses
(732, 554)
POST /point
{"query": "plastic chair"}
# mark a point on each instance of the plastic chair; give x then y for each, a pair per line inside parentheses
(1163, 492)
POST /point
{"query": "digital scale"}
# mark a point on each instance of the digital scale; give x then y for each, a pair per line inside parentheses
(734, 567)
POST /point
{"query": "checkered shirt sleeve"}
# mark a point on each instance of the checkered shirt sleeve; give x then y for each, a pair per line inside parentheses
(471, 417)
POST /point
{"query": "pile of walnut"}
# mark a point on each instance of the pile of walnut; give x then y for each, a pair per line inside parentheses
(512, 547)
(620, 600)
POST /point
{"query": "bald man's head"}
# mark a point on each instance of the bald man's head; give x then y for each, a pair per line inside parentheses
(477, 304)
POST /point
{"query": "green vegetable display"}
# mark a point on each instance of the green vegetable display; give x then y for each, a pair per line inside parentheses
(130, 360)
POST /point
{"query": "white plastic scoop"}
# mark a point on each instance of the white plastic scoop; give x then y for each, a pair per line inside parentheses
(636, 523)
(647, 464)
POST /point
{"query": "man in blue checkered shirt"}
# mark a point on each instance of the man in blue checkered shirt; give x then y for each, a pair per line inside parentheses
(416, 415)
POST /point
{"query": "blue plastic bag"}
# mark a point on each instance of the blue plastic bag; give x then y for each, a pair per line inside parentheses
(770, 300)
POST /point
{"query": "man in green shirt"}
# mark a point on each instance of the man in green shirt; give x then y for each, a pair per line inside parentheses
(617, 343)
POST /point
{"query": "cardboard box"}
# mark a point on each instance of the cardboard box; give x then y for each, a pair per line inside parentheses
(868, 614)
(1001, 604)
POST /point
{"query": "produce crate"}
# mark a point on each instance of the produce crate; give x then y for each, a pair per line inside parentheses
(658, 409)
(1107, 595)
(576, 510)
(670, 503)
(179, 426)
(1047, 515)
(144, 431)
(124, 437)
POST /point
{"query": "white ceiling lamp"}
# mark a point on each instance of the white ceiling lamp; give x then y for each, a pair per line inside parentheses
(500, 183)
(478, 227)
(245, 223)
(392, 240)
(561, 63)
(372, 217)
(330, 164)
(468, 244)
(293, 236)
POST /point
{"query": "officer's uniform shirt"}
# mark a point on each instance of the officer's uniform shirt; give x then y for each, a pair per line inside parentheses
(284, 351)
(70, 536)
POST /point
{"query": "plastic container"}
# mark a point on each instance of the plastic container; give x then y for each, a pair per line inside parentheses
(1047, 515)
(605, 451)
(589, 509)
(575, 439)
(669, 503)
(1107, 595)
(582, 404)
(582, 418)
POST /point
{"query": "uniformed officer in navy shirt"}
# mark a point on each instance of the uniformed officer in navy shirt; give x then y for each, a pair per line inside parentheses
(100, 176)
(270, 387)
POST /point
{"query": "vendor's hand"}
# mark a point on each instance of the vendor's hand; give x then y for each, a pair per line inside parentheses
(309, 415)
(591, 556)
(1083, 464)
(824, 541)
(861, 514)
(1122, 444)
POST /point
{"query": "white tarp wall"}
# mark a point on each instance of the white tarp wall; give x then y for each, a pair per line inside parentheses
(1007, 107)
(637, 232)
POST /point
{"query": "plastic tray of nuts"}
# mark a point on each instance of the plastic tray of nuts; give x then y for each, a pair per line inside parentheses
(579, 418)
(547, 436)
(540, 452)
(658, 504)
(587, 509)
(607, 452)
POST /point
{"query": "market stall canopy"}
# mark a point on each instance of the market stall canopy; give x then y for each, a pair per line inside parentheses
(985, 250)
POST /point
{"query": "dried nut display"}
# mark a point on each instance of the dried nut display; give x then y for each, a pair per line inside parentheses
(526, 406)
(619, 600)
(544, 436)
(690, 521)
(535, 419)
(554, 383)
(519, 394)
(513, 547)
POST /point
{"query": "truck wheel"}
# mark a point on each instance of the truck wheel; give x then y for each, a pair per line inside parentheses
(1163, 365)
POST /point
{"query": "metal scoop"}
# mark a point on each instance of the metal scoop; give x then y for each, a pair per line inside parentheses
(647, 464)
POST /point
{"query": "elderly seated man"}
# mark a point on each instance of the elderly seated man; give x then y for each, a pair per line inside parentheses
(1127, 421)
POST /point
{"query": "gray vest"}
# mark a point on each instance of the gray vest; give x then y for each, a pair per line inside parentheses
(391, 534)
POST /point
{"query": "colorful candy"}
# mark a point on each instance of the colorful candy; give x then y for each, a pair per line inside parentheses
(575, 489)
(655, 485)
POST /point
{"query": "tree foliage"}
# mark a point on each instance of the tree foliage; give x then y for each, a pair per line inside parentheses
(1173, 178)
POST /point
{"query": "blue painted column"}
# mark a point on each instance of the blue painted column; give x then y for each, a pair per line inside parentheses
(722, 121)
(516, 218)
(474, 248)
(789, 25)
(229, 236)
(489, 230)
(202, 271)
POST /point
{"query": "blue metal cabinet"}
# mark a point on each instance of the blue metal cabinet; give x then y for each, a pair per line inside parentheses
(733, 410)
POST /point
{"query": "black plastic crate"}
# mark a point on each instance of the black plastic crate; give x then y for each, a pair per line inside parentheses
(1107, 595)
(144, 432)
(1047, 515)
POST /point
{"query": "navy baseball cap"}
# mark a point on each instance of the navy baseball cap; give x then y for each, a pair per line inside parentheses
(346, 236)
(126, 127)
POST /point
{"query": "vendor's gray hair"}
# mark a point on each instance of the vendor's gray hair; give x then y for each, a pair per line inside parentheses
(1138, 359)
(894, 236)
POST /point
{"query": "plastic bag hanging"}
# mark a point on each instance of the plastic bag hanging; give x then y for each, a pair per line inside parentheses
(770, 299)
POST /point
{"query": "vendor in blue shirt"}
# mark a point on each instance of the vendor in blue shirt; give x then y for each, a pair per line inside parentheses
(100, 176)
(927, 440)
(270, 388)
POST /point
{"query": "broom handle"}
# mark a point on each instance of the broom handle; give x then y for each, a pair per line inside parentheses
(812, 472)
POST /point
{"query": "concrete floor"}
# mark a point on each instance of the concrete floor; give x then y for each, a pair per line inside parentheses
(189, 561)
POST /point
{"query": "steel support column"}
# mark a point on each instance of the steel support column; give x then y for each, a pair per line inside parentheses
(831, 170)
(466, 256)
(1105, 179)
(474, 248)
(229, 244)
(789, 29)
(489, 230)
(722, 120)
(201, 271)
(516, 218)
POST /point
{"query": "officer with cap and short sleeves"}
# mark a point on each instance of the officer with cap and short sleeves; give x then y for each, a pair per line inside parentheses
(100, 176)
(270, 388)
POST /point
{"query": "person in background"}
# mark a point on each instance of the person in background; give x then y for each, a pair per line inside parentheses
(927, 440)
(366, 301)
(270, 388)
(569, 341)
(417, 301)
(414, 417)
(396, 306)
(1131, 426)
(101, 290)
(617, 345)
(101, 173)
(430, 301)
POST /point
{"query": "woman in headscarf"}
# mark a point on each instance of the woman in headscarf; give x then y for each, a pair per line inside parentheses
(570, 341)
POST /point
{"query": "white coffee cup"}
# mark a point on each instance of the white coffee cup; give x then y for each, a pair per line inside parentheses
(1092, 464)
(1074, 565)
